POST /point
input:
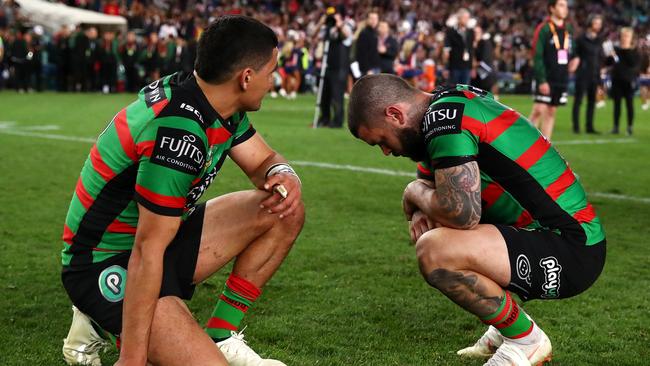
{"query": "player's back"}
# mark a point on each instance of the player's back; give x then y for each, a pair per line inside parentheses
(161, 151)
(524, 180)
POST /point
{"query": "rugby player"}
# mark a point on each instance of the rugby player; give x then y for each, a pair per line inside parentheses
(553, 58)
(135, 211)
(496, 210)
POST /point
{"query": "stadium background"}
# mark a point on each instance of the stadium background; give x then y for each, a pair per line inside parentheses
(350, 292)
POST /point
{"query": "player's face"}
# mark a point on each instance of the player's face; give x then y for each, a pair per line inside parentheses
(261, 82)
(395, 141)
(596, 25)
(561, 9)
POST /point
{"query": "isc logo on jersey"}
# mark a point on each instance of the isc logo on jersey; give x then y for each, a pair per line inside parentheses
(192, 110)
(442, 119)
(179, 149)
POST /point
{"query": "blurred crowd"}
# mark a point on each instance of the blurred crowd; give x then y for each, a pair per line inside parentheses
(415, 39)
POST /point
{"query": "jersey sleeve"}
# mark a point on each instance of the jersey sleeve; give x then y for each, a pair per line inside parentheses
(172, 156)
(448, 144)
(425, 172)
(245, 130)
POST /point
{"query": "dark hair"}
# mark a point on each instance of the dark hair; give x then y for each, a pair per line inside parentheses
(550, 4)
(371, 94)
(231, 43)
(591, 18)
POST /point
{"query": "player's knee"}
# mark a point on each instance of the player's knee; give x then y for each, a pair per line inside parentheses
(293, 223)
(433, 251)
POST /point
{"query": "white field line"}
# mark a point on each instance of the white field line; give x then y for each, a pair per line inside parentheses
(595, 142)
(315, 164)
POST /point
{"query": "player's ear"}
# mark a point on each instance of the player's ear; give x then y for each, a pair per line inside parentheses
(395, 115)
(245, 78)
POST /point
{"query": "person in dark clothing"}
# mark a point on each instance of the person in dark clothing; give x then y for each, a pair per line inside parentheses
(19, 62)
(151, 59)
(459, 50)
(130, 55)
(108, 59)
(80, 46)
(626, 61)
(589, 49)
(367, 53)
(388, 48)
(485, 76)
(34, 62)
(552, 62)
(336, 74)
(92, 69)
(62, 57)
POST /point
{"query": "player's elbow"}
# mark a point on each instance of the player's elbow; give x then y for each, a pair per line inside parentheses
(466, 216)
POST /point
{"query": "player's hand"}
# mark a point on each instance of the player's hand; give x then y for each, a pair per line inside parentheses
(276, 204)
(408, 199)
(419, 225)
(545, 89)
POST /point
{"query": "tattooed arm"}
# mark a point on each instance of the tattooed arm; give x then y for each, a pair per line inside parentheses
(456, 200)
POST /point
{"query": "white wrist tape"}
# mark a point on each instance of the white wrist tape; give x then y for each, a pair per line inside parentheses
(282, 168)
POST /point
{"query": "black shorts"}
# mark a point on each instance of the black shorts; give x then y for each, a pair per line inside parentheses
(557, 97)
(547, 265)
(98, 290)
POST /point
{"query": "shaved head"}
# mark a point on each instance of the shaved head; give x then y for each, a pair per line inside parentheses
(372, 94)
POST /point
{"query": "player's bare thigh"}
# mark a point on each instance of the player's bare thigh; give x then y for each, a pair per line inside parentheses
(482, 250)
(231, 222)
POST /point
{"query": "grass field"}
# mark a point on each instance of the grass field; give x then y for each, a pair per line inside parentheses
(350, 292)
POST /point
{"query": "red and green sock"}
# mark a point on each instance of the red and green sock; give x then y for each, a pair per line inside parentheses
(231, 307)
(510, 319)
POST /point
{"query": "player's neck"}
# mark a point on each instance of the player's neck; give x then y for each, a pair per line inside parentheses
(221, 97)
(557, 21)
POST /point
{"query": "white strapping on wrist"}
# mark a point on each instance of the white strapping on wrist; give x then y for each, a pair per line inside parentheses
(282, 168)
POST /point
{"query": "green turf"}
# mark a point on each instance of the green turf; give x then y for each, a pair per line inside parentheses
(350, 292)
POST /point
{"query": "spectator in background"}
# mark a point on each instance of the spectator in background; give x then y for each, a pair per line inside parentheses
(388, 48)
(130, 55)
(485, 76)
(336, 72)
(625, 70)
(589, 50)
(111, 7)
(34, 67)
(552, 45)
(108, 58)
(644, 80)
(19, 62)
(151, 59)
(458, 49)
(79, 44)
(2, 58)
(93, 66)
(367, 53)
(62, 57)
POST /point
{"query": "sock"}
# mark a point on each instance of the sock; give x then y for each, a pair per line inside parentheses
(233, 303)
(511, 321)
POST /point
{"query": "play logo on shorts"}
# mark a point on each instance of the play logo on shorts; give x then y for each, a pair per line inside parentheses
(112, 283)
(552, 269)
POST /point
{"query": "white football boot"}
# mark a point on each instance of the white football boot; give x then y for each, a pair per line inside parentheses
(485, 346)
(83, 344)
(238, 353)
(515, 353)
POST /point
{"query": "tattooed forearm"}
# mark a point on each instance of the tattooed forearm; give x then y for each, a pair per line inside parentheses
(466, 290)
(458, 194)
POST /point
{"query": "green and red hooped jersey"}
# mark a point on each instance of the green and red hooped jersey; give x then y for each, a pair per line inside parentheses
(161, 151)
(524, 180)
